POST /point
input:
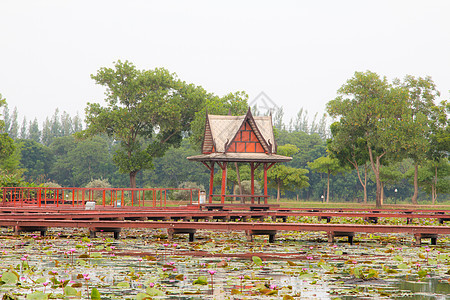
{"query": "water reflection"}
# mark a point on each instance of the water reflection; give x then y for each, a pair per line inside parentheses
(430, 288)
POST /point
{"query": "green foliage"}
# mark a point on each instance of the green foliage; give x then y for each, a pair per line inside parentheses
(173, 168)
(186, 194)
(328, 165)
(283, 177)
(37, 295)
(201, 280)
(371, 116)
(9, 277)
(95, 294)
(99, 183)
(51, 184)
(234, 103)
(257, 260)
(146, 112)
(247, 187)
(36, 159)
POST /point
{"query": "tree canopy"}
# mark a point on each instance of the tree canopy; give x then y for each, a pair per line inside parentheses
(146, 111)
(370, 111)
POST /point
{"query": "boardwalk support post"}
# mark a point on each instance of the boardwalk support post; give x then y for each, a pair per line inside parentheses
(332, 234)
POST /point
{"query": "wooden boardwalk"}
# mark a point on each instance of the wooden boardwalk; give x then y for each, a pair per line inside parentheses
(187, 221)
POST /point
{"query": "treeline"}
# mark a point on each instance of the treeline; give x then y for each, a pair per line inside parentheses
(71, 162)
(59, 125)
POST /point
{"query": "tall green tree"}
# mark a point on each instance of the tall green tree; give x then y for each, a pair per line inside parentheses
(7, 146)
(33, 131)
(439, 144)
(370, 108)
(146, 111)
(36, 160)
(421, 95)
(90, 159)
(328, 165)
(283, 177)
(355, 154)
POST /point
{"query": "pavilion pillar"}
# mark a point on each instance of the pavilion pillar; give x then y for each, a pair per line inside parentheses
(224, 181)
(265, 183)
(211, 182)
(252, 181)
(267, 166)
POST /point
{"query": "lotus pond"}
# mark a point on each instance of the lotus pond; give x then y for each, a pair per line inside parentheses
(143, 264)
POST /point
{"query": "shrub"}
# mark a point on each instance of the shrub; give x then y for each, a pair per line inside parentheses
(51, 184)
(185, 194)
(98, 184)
(247, 188)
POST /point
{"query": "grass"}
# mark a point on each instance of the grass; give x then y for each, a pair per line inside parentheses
(371, 205)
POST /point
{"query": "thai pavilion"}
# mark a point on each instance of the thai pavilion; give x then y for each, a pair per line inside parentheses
(243, 139)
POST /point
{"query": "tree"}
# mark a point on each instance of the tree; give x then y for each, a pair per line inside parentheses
(421, 94)
(90, 159)
(14, 128)
(355, 154)
(146, 112)
(33, 131)
(434, 178)
(232, 103)
(23, 129)
(47, 137)
(7, 146)
(36, 159)
(283, 177)
(439, 142)
(62, 168)
(371, 109)
(328, 165)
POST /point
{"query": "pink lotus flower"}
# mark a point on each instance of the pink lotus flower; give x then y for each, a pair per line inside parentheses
(212, 272)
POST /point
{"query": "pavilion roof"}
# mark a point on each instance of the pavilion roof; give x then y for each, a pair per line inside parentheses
(223, 134)
(240, 157)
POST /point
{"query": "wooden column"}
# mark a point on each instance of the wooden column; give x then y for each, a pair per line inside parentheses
(267, 166)
(211, 179)
(211, 182)
(265, 183)
(224, 181)
(252, 180)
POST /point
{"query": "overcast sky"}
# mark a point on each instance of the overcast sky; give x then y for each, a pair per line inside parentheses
(297, 52)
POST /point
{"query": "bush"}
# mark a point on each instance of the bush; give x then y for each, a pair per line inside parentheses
(51, 184)
(185, 194)
(247, 188)
(98, 184)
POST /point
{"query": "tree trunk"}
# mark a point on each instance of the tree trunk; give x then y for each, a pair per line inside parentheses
(278, 191)
(416, 183)
(434, 185)
(382, 193)
(328, 187)
(376, 170)
(238, 177)
(133, 185)
(365, 184)
(133, 179)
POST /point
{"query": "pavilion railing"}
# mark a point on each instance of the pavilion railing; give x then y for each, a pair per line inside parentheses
(103, 197)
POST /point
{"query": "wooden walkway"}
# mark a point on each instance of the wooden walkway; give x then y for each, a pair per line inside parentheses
(187, 221)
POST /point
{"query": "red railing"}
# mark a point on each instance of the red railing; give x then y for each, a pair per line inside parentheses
(105, 197)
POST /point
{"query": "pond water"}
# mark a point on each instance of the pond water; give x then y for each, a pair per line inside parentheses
(220, 265)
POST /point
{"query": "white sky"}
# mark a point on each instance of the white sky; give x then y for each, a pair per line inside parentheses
(297, 52)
